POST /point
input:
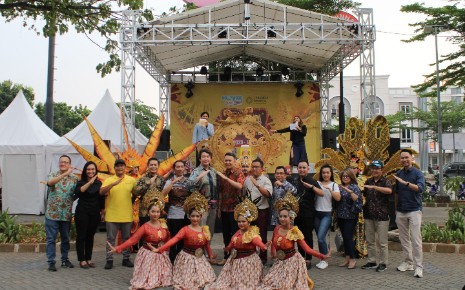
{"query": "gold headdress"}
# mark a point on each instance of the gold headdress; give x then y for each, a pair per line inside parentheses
(152, 196)
(289, 202)
(196, 201)
(246, 209)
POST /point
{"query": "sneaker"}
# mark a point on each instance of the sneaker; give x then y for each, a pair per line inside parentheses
(127, 263)
(67, 264)
(405, 267)
(381, 268)
(108, 265)
(52, 268)
(322, 265)
(418, 272)
(369, 265)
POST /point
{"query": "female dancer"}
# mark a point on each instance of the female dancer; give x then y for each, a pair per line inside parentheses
(191, 269)
(87, 216)
(299, 153)
(323, 206)
(243, 269)
(349, 204)
(289, 271)
(151, 270)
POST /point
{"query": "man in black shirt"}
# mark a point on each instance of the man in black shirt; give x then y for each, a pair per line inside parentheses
(306, 195)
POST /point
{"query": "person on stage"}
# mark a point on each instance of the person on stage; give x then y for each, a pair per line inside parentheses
(298, 132)
(191, 268)
(289, 272)
(243, 269)
(151, 269)
(349, 205)
(202, 130)
(87, 216)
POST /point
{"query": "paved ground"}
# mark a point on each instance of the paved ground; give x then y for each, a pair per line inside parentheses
(441, 271)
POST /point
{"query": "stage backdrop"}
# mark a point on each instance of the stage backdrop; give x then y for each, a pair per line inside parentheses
(272, 105)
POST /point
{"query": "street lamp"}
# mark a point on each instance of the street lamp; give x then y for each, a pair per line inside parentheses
(436, 29)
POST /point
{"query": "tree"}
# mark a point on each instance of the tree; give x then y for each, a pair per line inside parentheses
(145, 118)
(452, 18)
(66, 118)
(9, 90)
(86, 16)
(451, 118)
(321, 6)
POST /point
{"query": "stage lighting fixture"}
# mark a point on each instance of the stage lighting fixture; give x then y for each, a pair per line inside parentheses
(285, 71)
(259, 72)
(270, 33)
(227, 71)
(223, 33)
(247, 10)
(189, 86)
(299, 86)
(203, 70)
(142, 30)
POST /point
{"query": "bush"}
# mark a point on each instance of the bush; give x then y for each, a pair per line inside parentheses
(9, 229)
(453, 232)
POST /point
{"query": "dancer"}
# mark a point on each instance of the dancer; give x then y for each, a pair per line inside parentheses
(298, 133)
(191, 269)
(289, 271)
(87, 216)
(243, 269)
(349, 205)
(151, 270)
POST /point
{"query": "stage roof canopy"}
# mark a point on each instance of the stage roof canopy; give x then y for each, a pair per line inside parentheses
(291, 36)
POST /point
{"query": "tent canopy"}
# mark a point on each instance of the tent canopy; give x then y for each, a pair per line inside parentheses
(307, 47)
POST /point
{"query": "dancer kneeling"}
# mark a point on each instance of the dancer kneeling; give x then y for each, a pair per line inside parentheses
(243, 269)
(151, 270)
(289, 270)
(191, 268)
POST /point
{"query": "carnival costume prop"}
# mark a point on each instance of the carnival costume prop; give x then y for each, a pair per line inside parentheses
(243, 269)
(151, 270)
(191, 268)
(289, 270)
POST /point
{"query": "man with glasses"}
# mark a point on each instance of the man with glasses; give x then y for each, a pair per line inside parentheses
(258, 188)
(376, 213)
(280, 188)
(58, 214)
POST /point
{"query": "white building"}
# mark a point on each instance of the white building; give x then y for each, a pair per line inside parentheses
(389, 101)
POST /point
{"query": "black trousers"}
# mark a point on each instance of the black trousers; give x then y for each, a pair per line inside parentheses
(174, 226)
(306, 225)
(142, 220)
(86, 226)
(229, 228)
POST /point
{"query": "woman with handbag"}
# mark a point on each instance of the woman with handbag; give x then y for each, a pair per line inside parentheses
(349, 204)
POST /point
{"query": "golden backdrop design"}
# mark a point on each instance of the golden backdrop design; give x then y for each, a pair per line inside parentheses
(242, 115)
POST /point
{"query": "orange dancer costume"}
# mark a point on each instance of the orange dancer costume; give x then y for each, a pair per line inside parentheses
(289, 271)
(243, 270)
(151, 269)
(191, 268)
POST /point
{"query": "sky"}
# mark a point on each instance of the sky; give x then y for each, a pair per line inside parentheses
(23, 57)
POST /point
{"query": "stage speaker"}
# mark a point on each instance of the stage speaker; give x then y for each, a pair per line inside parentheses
(329, 138)
(164, 141)
(394, 146)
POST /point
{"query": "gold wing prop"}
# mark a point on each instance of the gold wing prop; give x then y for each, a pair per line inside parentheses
(377, 133)
(100, 147)
(101, 166)
(353, 138)
(166, 165)
(152, 145)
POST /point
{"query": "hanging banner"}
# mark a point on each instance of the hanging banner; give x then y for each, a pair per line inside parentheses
(242, 115)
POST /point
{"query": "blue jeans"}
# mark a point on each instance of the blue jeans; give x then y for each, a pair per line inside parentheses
(51, 230)
(322, 224)
(347, 227)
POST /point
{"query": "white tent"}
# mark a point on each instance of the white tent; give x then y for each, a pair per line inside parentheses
(23, 158)
(106, 119)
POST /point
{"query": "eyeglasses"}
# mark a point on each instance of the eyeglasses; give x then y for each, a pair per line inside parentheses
(353, 167)
(345, 176)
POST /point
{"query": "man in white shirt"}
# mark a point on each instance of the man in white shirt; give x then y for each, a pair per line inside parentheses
(258, 189)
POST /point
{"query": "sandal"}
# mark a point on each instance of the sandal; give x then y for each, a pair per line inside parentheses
(90, 264)
(83, 265)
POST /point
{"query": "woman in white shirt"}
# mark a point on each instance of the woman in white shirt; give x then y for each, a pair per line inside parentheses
(323, 207)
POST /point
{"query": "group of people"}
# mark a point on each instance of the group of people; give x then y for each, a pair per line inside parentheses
(244, 202)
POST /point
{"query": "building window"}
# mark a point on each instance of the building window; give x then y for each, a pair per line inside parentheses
(334, 107)
(405, 108)
(406, 136)
(377, 109)
(456, 91)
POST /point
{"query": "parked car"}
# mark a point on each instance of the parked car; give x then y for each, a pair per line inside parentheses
(454, 169)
